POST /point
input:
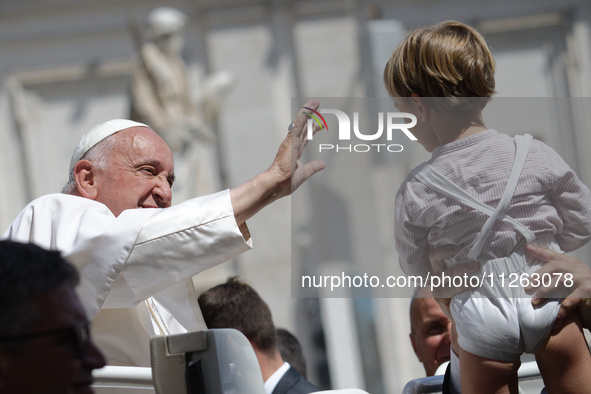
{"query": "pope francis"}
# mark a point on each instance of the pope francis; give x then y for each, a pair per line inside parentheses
(135, 253)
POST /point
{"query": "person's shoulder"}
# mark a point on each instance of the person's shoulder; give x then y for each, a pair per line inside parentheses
(294, 383)
(48, 200)
(411, 186)
(548, 158)
(57, 197)
(60, 203)
(62, 198)
(302, 386)
(492, 139)
(541, 146)
(49, 212)
(411, 177)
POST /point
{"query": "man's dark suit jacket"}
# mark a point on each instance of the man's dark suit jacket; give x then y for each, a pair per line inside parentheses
(294, 383)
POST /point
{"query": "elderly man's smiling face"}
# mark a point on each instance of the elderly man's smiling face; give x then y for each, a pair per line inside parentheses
(431, 334)
(138, 173)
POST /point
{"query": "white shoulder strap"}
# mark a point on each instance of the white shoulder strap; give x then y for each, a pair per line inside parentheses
(522, 143)
(434, 180)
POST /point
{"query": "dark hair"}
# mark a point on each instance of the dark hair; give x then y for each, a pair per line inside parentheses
(236, 305)
(291, 350)
(27, 272)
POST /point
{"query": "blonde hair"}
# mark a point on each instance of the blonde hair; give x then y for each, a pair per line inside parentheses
(450, 59)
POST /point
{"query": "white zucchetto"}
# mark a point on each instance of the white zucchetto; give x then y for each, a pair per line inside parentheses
(97, 134)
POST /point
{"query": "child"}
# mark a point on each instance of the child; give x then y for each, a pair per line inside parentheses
(492, 194)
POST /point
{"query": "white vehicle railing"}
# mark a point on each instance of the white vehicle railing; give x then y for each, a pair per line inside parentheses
(123, 377)
(432, 384)
(111, 377)
(118, 379)
(211, 361)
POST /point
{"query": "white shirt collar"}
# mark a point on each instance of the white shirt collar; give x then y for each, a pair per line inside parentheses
(275, 378)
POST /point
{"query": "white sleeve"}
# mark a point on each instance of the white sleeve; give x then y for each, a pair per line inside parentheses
(572, 200)
(411, 237)
(124, 260)
(175, 244)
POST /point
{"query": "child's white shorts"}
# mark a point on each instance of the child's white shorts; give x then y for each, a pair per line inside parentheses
(498, 320)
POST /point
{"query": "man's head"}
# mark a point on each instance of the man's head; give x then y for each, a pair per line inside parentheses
(291, 350)
(236, 305)
(124, 165)
(430, 331)
(449, 59)
(44, 342)
(165, 29)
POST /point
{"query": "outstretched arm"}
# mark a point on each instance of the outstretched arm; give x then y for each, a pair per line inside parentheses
(284, 176)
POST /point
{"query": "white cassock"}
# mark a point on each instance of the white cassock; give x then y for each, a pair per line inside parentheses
(136, 268)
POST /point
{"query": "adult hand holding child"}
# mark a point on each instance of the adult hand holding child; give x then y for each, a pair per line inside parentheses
(579, 299)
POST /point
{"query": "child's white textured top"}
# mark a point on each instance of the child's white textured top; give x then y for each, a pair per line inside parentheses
(549, 199)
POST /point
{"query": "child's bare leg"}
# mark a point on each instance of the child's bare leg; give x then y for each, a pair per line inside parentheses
(564, 359)
(483, 375)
